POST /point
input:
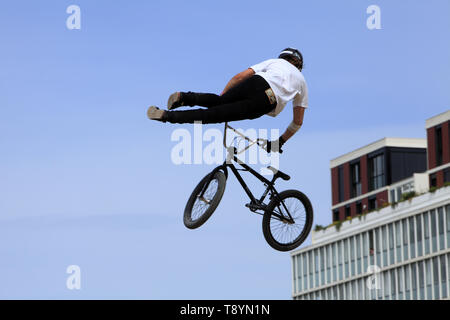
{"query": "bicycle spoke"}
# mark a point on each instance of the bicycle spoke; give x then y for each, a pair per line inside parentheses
(202, 204)
(282, 230)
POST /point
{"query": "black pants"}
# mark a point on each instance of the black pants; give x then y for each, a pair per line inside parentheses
(246, 100)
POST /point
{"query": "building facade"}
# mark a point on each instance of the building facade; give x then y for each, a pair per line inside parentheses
(396, 253)
(360, 180)
(438, 138)
(380, 173)
(390, 237)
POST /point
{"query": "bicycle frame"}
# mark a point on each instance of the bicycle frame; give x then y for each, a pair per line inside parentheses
(255, 204)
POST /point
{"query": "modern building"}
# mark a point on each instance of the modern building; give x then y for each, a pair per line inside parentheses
(390, 236)
(360, 179)
(438, 137)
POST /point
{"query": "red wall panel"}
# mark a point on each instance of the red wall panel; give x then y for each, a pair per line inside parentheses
(364, 178)
(334, 186)
(346, 181)
(353, 209)
(382, 198)
(431, 148)
(446, 142)
(440, 178)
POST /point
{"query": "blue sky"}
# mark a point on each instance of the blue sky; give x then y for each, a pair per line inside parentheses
(87, 179)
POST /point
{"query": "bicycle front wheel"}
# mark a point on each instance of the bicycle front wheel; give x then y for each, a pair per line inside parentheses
(200, 208)
(280, 231)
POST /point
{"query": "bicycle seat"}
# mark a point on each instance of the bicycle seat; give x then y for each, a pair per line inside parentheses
(279, 174)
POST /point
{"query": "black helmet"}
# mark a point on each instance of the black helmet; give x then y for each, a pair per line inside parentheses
(293, 54)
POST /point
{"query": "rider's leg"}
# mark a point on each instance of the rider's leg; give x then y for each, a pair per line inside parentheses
(250, 108)
(239, 92)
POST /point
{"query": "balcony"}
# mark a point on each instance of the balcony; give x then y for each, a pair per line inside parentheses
(417, 184)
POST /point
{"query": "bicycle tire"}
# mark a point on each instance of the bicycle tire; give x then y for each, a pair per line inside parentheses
(191, 223)
(268, 217)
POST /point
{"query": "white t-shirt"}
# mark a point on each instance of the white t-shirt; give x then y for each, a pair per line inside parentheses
(286, 81)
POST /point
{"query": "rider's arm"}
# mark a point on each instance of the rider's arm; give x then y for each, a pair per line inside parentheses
(238, 78)
(297, 122)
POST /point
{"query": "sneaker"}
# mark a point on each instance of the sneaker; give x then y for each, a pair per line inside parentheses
(154, 113)
(174, 101)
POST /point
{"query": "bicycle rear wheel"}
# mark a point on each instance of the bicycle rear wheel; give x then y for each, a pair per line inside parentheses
(199, 209)
(281, 233)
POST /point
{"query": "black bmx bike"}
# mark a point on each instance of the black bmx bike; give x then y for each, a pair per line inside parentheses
(287, 217)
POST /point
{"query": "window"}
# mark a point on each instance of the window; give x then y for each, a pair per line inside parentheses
(438, 137)
(384, 240)
(322, 266)
(372, 203)
(419, 234)
(412, 240)
(346, 260)
(358, 253)
(376, 171)
(305, 271)
(340, 269)
(436, 277)
(393, 289)
(421, 281)
(316, 267)
(378, 246)
(311, 278)
(328, 258)
(348, 291)
(426, 231)
(400, 282)
(336, 215)
(414, 281)
(386, 286)
(392, 196)
(365, 251)
(433, 230)
(356, 179)
(398, 239)
(360, 290)
(299, 273)
(334, 261)
(371, 248)
(352, 255)
(348, 211)
(407, 283)
(428, 279)
(448, 226)
(441, 228)
(341, 183)
(447, 174)
(391, 244)
(405, 239)
(443, 277)
(358, 208)
(433, 180)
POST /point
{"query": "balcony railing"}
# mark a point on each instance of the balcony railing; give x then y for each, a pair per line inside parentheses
(417, 184)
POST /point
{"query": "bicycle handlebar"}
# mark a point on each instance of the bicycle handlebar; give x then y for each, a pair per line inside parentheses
(262, 143)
